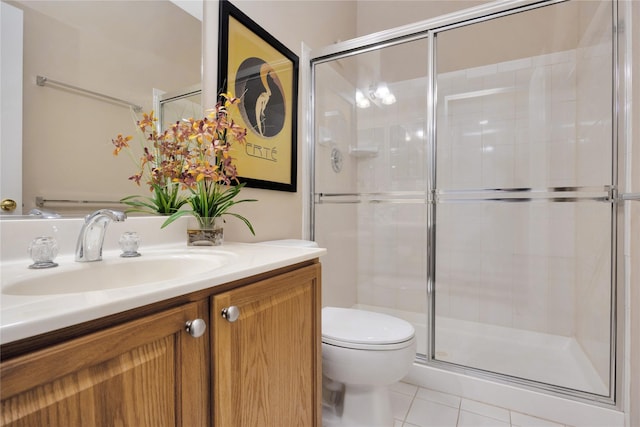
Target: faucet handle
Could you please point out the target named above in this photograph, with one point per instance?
(129, 242)
(42, 251)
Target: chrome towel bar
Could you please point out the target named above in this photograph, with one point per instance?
(41, 81)
(41, 201)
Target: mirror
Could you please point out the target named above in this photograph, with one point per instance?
(130, 51)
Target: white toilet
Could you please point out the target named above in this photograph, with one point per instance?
(363, 353)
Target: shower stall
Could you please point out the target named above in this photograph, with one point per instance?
(466, 179)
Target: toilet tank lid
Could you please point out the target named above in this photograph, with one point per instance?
(364, 327)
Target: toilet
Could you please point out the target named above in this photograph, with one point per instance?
(363, 353)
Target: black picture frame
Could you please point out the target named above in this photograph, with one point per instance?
(263, 73)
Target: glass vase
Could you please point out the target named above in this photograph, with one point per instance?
(205, 231)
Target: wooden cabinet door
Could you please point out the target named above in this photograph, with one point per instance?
(267, 363)
(149, 372)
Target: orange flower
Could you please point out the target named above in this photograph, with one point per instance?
(120, 142)
(136, 178)
(148, 120)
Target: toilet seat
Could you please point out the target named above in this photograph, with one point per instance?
(364, 330)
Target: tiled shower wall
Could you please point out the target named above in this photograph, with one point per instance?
(392, 236)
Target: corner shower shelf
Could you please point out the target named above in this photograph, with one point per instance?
(363, 151)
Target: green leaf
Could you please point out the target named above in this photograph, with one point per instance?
(175, 216)
(245, 220)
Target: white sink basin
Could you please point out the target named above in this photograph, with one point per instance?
(115, 273)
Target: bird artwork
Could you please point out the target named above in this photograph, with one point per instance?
(263, 103)
(263, 98)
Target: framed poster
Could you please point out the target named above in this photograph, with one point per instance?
(263, 73)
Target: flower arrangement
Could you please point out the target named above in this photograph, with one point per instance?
(160, 166)
(191, 157)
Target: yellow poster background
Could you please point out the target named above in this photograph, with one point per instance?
(261, 158)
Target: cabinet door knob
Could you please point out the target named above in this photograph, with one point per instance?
(196, 327)
(231, 313)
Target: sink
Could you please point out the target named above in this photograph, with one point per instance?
(113, 273)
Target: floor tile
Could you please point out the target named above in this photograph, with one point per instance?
(438, 397)
(485, 410)
(404, 388)
(424, 413)
(469, 419)
(400, 404)
(522, 420)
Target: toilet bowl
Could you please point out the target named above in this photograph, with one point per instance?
(363, 353)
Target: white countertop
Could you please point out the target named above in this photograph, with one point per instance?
(23, 316)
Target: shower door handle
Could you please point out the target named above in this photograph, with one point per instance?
(630, 196)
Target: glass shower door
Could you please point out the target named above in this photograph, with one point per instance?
(523, 217)
(370, 187)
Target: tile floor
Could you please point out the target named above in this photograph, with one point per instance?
(419, 407)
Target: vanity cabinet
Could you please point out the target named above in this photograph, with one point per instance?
(262, 368)
(267, 352)
(142, 373)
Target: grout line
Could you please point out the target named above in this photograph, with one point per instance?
(413, 399)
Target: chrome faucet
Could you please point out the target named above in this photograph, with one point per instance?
(91, 238)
